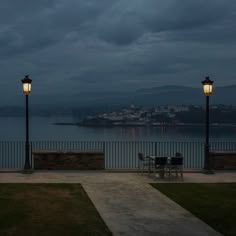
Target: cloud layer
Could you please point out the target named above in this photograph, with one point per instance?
(70, 47)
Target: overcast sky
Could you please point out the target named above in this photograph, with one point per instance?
(73, 46)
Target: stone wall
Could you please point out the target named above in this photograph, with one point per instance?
(68, 160)
(222, 160)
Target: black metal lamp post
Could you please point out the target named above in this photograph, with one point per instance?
(207, 85)
(26, 83)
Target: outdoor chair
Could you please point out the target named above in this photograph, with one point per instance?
(178, 154)
(145, 163)
(160, 165)
(176, 164)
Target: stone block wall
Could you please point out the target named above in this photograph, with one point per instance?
(222, 160)
(68, 160)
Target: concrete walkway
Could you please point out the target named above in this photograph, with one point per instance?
(128, 204)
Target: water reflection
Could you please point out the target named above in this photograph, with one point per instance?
(43, 129)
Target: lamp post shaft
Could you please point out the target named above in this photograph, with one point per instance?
(27, 148)
(206, 159)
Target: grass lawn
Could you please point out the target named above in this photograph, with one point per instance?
(213, 203)
(48, 209)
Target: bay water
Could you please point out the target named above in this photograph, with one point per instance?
(44, 129)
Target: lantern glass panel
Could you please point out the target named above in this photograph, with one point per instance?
(207, 89)
(26, 88)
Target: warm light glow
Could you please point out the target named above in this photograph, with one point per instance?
(207, 89)
(26, 88)
(207, 86)
(26, 84)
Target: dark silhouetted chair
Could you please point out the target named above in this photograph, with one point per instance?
(160, 165)
(178, 154)
(145, 163)
(176, 164)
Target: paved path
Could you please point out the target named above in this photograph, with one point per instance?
(128, 204)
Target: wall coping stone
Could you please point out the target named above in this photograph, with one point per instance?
(220, 153)
(67, 152)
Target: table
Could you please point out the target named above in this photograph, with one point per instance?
(163, 166)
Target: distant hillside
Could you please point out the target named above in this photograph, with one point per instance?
(160, 96)
(85, 102)
(167, 88)
(184, 95)
(168, 95)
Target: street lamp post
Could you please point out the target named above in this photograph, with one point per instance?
(207, 85)
(26, 83)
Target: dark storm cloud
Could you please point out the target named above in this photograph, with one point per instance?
(73, 46)
(140, 17)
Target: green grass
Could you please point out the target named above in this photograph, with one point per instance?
(48, 209)
(213, 203)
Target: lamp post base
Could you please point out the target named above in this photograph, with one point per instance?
(27, 171)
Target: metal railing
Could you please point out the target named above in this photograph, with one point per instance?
(118, 154)
(12, 154)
